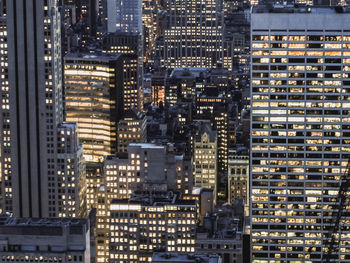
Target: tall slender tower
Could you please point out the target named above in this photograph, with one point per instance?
(31, 87)
(300, 130)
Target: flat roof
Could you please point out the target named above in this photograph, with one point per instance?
(89, 56)
(6, 220)
(147, 145)
(175, 257)
(299, 9)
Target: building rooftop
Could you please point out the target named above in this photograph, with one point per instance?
(146, 145)
(154, 199)
(220, 225)
(189, 72)
(40, 226)
(299, 9)
(206, 128)
(120, 33)
(133, 114)
(188, 258)
(6, 220)
(88, 56)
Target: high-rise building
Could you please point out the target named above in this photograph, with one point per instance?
(5, 139)
(130, 129)
(221, 234)
(238, 177)
(124, 16)
(44, 240)
(129, 44)
(87, 12)
(187, 84)
(70, 181)
(31, 112)
(93, 99)
(68, 12)
(193, 36)
(101, 231)
(148, 167)
(145, 224)
(300, 130)
(183, 84)
(158, 87)
(94, 178)
(205, 158)
(152, 26)
(220, 121)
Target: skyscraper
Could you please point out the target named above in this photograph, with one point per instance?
(205, 158)
(193, 36)
(300, 130)
(93, 99)
(129, 44)
(124, 16)
(31, 88)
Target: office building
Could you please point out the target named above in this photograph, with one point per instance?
(205, 158)
(153, 27)
(205, 201)
(70, 181)
(182, 84)
(238, 177)
(129, 44)
(31, 113)
(87, 12)
(44, 240)
(148, 167)
(236, 42)
(162, 257)
(5, 139)
(300, 130)
(189, 83)
(101, 231)
(221, 235)
(144, 224)
(221, 125)
(124, 16)
(193, 36)
(68, 12)
(94, 178)
(93, 99)
(131, 129)
(158, 87)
